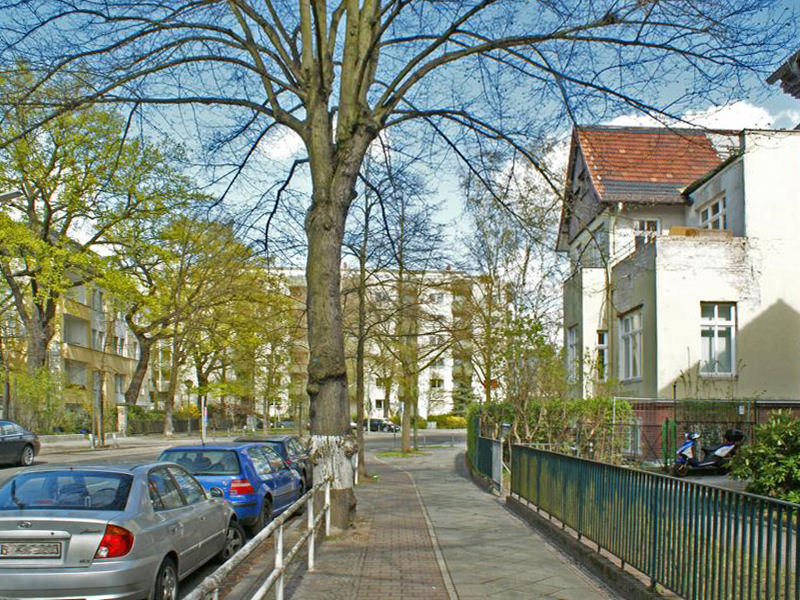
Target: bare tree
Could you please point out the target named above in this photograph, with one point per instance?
(338, 74)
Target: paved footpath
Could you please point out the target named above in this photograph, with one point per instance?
(425, 531)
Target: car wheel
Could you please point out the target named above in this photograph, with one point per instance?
(264, 517)
(301, 490)
(166, 581)
(27, 456)
(234, 540)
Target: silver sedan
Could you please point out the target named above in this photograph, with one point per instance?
(109, 532)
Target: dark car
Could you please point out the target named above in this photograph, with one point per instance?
(252, 476)
(293, 452)
(17, 444)
(380, 425)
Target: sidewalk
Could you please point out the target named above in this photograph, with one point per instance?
(53, 444)
(425, 531)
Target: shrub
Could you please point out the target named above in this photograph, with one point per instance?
(449, 421)
(772, 461)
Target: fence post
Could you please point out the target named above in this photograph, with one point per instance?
(279, 563)
(313, 538)
(655, 517)
(327, 508)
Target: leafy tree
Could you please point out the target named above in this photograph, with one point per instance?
(77, 178)
(771, 462)
(173, 269)
(338, 74)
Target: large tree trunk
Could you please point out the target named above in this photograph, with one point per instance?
(40, 331)
(132, 393)
(332, 441)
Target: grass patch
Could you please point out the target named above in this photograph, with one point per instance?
(401, 454)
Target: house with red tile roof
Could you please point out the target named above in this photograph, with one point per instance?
(684, 263)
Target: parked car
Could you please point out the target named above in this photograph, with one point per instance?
(109, 531)
(252, 476)
(380, 425)
(17, 444)
(293, 452)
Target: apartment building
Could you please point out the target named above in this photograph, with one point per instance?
(683, 251)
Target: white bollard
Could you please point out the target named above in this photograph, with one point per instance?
(313, 538)
(327, 508)
(279, 563)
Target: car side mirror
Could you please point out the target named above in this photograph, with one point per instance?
(216, 493)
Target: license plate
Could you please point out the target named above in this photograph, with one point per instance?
(30, 550)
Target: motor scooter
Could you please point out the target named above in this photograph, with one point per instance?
(715, 458)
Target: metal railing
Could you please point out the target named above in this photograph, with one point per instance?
(210, 586)
(483, 455)
(699, 541)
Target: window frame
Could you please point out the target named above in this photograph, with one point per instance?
(710, 220)
(634, 334)
(645, 236)
(717, 324)
(601, 349)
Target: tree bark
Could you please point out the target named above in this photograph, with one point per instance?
(132, 393)
(40, 332)
(332, 441)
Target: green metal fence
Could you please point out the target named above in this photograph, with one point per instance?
(701, 542)
(483, 456)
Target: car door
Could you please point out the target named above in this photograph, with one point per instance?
(208, 528)
(176, 522)
(285, 481)
(299, 454)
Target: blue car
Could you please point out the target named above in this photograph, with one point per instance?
(256, 481)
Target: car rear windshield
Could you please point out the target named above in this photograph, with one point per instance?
(67, 490)
(204, 462)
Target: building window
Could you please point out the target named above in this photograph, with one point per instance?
(383, 382)
(714, 214)
(118, 344)
(438, 363)
(717, 338)
(379, 404)
(630, 343)
(98, 339)
(76, 373)
(572, 352)
(602, 355)
(119, 388)
(98, 303)
(437, 384)
(645, 230)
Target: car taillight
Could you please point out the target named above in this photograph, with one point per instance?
(241, 487)
(288, 462)
(116, 542)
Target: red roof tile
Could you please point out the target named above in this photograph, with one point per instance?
(645, 164)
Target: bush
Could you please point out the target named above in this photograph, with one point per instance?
(772, 461)
(449, 421)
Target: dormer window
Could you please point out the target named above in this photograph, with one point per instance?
(714, 214)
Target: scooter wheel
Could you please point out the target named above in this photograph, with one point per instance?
(680, 469)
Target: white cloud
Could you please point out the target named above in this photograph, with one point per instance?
(737, 115)
(281, 145)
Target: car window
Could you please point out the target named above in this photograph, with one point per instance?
(164, 493)
(17, 429)
(6, 429)
(204, 462)
(260, 460)
(192, 491)
(73, 490)
(275, 461)
(298, 447)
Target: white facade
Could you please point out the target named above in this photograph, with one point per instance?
(714, 289)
